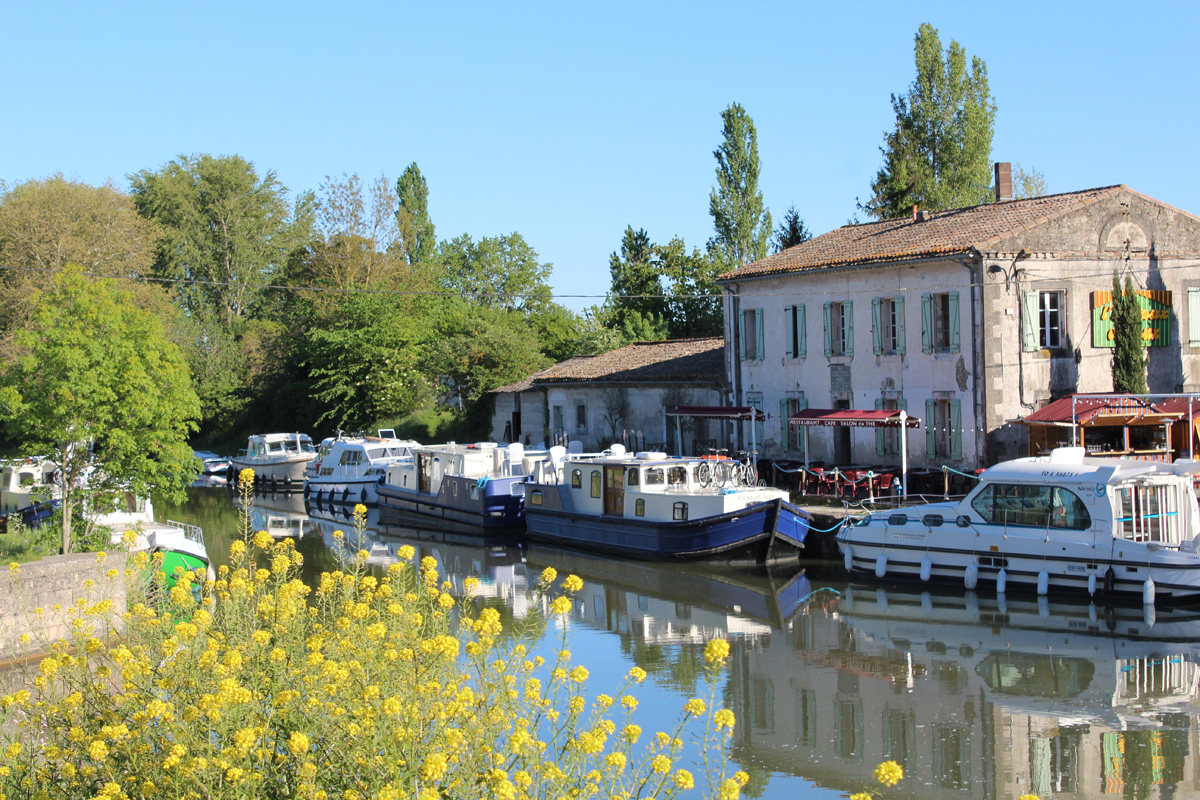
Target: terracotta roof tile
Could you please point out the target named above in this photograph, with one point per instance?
(957, 230)
(676, 360)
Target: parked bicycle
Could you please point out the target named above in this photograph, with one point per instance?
(722, 470)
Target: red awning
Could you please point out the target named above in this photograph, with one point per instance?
(850, 418)
(716, 412)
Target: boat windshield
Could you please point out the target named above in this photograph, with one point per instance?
(1035, 506)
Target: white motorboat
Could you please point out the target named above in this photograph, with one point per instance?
(276, 458)
(25, 481)
(354, 466)
(1058, 524)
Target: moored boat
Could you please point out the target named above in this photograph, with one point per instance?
(1058, 524)
(354, 466)
(276, 458)
(471, 487)
(651, 506)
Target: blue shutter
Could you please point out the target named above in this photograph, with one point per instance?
(789, 330)
(848, 321)
(930, 433)
(741, 335)
(927, 323)
(900, 348)
(956, 437)
(758, 334)
(1029, 321)
(878, 430)
(828, 330)
(876, 327)
(802, 336)
(784, 426)
(954, 345)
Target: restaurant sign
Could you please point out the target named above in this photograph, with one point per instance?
(1156, 318)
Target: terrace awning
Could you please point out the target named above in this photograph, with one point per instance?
(850, 418)
(736, 413)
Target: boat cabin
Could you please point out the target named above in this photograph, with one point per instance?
(21, 479)
(267, 445)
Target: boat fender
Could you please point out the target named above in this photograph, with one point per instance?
(1110, 581)
(1044, 607)
(1002, 603)
(1043, 582)
(971, 604)
(362, 497)
(1149, 615)
(1092, 618)
(926, 569)
(926, 602)
(1148, 592)
(1110, 618)
(1092, 584)
(971, 577)
(881, 565)
(848, 558)
(307, 489)
(881, 599)
(1002, 581)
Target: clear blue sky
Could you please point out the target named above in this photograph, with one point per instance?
(567, 121)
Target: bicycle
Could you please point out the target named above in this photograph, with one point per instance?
(719, 468)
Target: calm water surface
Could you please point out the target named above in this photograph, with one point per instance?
(974, 696)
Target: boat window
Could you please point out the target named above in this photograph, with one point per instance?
(1036, 506)
(932, 520)
(535, 497)
(677, 476)
(898, 519)
(633, 476)
(1148, 513)
(595, 483)
(26, 479)
(351, 457)
(474, 491)
(377, 453)
(639, 508)
(962, 521)
(679, 511)
(454, 489)
(654, 476)
(576, 479)
(1036, 674)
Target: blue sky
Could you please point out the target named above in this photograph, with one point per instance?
(567, 121)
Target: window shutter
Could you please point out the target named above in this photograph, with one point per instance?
(789, 331)
(802, 333)
(899, 301)
(1194, 316)
(956, 444)
(927, 323)
(758, 334)
(954, 344)
(930, 433)
(848, 316)
(876, 328)
(741, 335)
(878, 430)
(784, 426)
(1029, 321)
(828, 330)
(802, 434)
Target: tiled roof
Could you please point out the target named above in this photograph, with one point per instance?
(955, 231)
(676, 360)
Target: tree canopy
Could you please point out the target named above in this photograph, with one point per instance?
(791, 232)
(939, 154)
(742, 222)
(98, 384)
(496, 272)
(412, 216)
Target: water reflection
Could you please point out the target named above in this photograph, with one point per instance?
(974, 696)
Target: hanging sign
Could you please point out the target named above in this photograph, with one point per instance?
(1156, 318)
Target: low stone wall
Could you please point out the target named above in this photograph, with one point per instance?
(54, 585)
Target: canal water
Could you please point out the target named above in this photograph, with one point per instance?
(975, 696)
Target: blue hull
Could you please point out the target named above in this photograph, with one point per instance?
(766, 533)
(462, 503)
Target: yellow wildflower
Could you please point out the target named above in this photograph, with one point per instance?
(683, 779)
(716, 651)
(723, 719)
(695, 707)
(298, 743)
(889, 773)
(573, 583)
(637, 674)
(661, 764)
(548, 575)
(560, 606)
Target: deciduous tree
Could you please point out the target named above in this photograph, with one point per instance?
(496, 272)
(742, 222)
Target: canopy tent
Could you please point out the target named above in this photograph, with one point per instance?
(1127, 426)
(859, 418)
(730, 413)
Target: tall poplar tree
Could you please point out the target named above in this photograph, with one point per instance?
(1129, 356)
(939, 155)
(412, 216)
(742, 222)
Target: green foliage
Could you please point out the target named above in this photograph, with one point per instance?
(412, 216)
(939, 154)
(695, 306)
(1129, 355)
(791, 232)
(636, 278)
(595, 336)
(496, 272)
(1028, 183)
(742, 223)
(98, 384)
(558, 329)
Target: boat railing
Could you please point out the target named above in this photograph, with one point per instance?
(194, 533)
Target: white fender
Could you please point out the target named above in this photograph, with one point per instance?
(1043, 582)
(1149, 615)
(926, 568)
(971, 576)
(1092, 584)
(1001, 581)
(926, 602)
(881, 565)
(848, 558)
(971, 604)
(1148, 592)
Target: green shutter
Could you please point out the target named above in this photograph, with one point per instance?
(758, 331)
(784, 426)
(954, 345)
(956, 451)
(802, 434)
(828, 330)
(848, 317)
(878, 429)
(741, 335)
(930, 433)
(1029, 321)
(789, 329)
(802, 333)
(927, 323)
(1194, 316)
(899, 301)
(876, 327)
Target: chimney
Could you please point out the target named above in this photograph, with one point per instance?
(1003, 181)
(914, 212)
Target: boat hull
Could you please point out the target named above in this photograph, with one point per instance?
(272, 470)
(466, 504)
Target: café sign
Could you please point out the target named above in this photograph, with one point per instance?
(1156, 318)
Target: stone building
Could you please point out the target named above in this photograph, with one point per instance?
(597, 399)
(966, 318)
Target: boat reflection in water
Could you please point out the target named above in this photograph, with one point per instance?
(280, 514)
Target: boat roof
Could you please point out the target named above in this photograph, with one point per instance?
(280, 437)
(1072, 465)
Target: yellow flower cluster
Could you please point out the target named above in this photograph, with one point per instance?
(377, 686)
(889, 773)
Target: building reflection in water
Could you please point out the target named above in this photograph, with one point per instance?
(973, 696)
